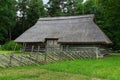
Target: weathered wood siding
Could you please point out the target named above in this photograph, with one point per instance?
(52, 45)
(37, 47)
(99, 50)
(77, 47)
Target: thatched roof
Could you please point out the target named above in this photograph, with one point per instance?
(73, 29)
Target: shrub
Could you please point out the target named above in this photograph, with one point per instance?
(11, 46)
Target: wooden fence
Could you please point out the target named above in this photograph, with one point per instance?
(53, 55)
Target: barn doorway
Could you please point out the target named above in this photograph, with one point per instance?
(52, 45)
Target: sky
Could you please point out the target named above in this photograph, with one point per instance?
(45, 1)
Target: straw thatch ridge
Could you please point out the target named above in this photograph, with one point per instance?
(73, 29)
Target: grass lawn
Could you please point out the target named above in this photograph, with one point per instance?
(40, 74)
(88, 69)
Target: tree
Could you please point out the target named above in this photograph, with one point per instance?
(20, 27)
(30, 12)
(71, 7)
(34, 12)
(62, 7)
(80, 8)
(22, 8)
(7, 18)
(89, 7)
(111, 20)
(53, 7)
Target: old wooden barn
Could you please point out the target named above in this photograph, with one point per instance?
(73, 33)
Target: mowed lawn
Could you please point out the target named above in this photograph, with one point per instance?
(84, 69)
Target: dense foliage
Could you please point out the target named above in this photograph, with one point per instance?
(12, 24)
(11, 45)
(7, 19)
(53, 8)
(29, 13)
(111, 20)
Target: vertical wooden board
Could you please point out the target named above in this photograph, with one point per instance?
(52, 45)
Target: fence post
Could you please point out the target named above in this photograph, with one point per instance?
(45, 59)
(10, 62)
(60, 53)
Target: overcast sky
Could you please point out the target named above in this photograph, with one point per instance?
(45, 1)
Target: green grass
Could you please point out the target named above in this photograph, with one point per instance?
(85, 69)
(5, 52)
(39, 74)
(9, 52)
(106, 68)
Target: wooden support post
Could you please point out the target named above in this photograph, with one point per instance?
(67, 48)
(32, 50)
(24, 47)
(38, 52)
(38, 49)
(97, 53)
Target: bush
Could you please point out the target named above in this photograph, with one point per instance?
(11, 46)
